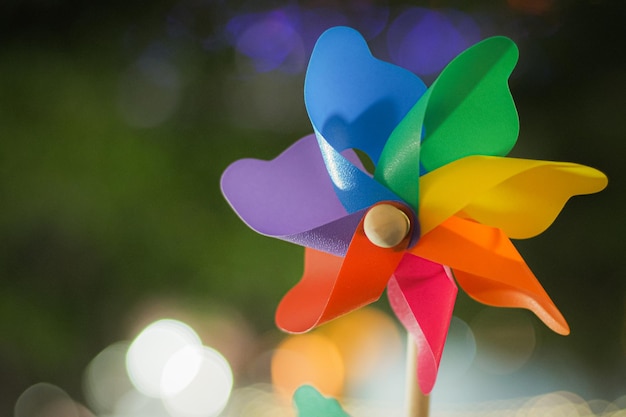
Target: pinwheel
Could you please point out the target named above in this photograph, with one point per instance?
(439, 206)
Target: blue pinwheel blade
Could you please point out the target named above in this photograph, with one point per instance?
(353, 99)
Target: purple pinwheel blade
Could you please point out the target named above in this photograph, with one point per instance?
(353, 99)
(291, 197)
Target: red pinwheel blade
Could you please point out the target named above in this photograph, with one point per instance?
(489, 268)
(332, 286)
(422, 294)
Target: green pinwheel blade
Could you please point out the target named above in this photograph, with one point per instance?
(398, 167)
(310, 403)
(468, 110)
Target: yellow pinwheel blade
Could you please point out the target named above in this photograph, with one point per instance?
(520, 196)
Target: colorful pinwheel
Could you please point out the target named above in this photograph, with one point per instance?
(442, 200)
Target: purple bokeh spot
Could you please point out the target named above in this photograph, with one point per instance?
(271, 41)
(369, 18)
(313, 22)
(467, 26)
(283, 38)
(425, 41)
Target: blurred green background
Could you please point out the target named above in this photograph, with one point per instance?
(117, 119)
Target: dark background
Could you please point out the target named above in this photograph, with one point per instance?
(109, 193)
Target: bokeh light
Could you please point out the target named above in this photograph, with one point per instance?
(136, 404)
(150, 90)
(460, 350)
(358, 356)
(257, 400)
(308, 359)
(552, 404)
(218, 325)
(367, 340)
(149, 353)
(505, 339)
(425, 40)
(197, 382)
(167, 361)
(372, 350)
(269, 40)
(181, 368)
(282, 38)
(370, 17)
(105, 379)
(47, 400)
(230, 334)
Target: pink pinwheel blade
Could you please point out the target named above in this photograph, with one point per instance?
(422, 294)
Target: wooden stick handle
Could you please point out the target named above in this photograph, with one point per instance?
(417, 403)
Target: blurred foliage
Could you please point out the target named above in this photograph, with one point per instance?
(97, 215)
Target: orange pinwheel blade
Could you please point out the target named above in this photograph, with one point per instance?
(332, 286)
(489, 268)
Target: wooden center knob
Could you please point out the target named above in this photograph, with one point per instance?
(386, 226)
